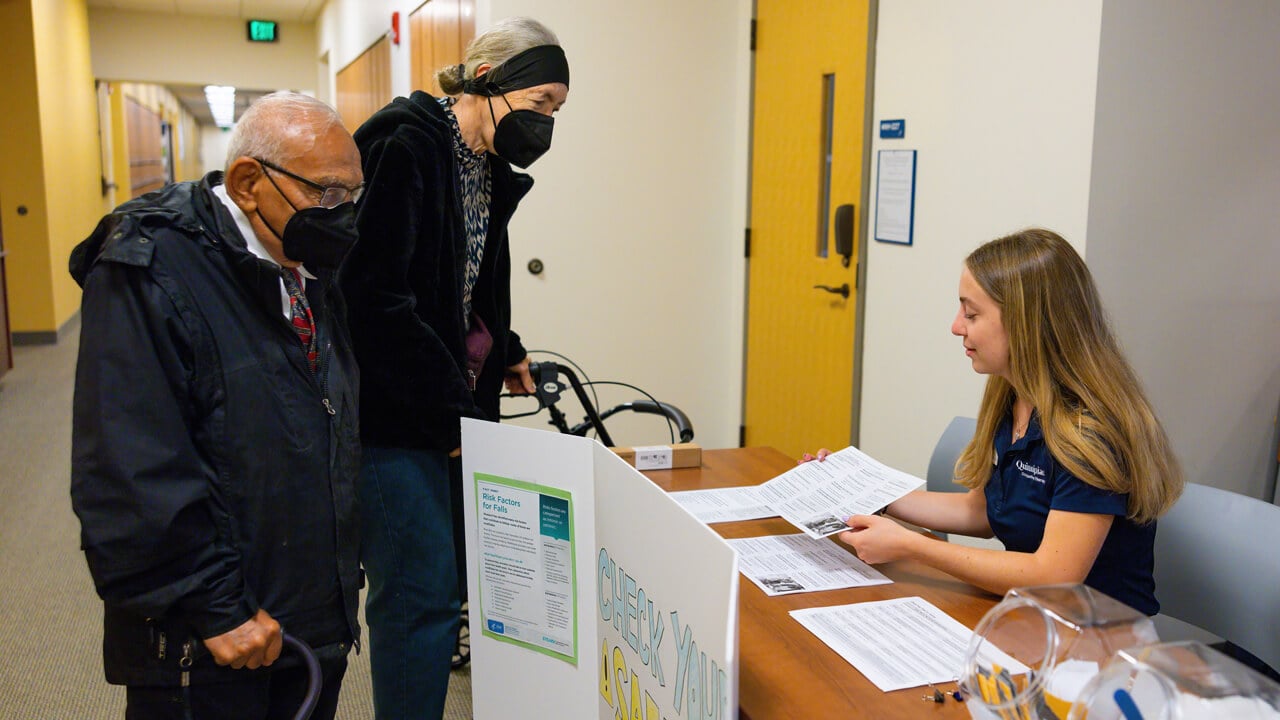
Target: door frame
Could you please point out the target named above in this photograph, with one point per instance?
(6, 337)
(860, 310)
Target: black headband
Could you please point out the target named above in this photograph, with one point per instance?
(536, 66)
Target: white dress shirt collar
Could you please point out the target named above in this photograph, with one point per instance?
(255, 245)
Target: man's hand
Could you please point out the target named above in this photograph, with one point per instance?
(518, 380)
(254, 644)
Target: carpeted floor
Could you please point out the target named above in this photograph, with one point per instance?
(51, 631)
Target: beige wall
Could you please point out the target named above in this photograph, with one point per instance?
(346, 28)
(998, 97)
(638, 209)
(1183, 236)
(51, 156)
(1148, 127)
(213, 143)
(176, 49)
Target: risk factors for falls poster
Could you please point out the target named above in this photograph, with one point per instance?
(528, 583)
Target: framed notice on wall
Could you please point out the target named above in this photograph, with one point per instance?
(895, 196)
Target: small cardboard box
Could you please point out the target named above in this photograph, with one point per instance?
(662, 457)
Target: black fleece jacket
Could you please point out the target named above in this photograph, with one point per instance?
(403, 281)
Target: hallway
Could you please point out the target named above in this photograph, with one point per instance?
(52, 619)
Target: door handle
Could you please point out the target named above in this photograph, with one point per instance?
(842, 291)
(844, 233)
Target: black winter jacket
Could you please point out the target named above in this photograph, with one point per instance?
(213, 473)
(403, 281)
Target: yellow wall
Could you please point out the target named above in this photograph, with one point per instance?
(187, 147)
(69, 121)
(49, 155)
(27, 267)
(119, 146)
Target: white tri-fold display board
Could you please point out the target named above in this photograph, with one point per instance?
(592, 593)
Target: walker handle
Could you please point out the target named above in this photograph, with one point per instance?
(314, 678)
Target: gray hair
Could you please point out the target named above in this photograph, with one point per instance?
(270, 127)
(506, 39)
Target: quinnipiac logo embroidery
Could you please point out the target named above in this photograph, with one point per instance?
(1030, 472)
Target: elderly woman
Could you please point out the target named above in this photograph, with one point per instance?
(429, 296)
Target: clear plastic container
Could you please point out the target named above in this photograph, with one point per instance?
(1177, 681)
(1034, 652)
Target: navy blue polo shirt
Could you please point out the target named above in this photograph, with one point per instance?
(1027, 483)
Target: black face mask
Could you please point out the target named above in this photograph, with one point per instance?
(523, 135)
(320, 238)
(317, 237)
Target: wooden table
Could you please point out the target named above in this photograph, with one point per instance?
(785, 671)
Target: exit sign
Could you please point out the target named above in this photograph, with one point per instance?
(262, 31)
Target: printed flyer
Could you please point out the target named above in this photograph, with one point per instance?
(528, 580)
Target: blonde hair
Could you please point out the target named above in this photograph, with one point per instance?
(506, 39)
(1064, 359)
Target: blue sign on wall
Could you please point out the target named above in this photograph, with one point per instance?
(893, 129)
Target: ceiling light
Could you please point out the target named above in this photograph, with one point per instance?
(222, 104)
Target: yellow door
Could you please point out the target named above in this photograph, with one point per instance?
(810, 82)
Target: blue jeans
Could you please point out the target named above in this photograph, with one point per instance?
(409, 556)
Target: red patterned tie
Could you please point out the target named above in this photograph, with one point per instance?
(304, 323)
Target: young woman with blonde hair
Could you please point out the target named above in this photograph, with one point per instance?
(1069, 466)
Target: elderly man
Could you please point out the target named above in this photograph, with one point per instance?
(215, 444)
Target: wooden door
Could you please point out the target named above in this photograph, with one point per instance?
(807, 158)
(439, 32)
(147, 169)
(364, 85)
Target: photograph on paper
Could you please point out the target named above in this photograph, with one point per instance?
(818, 497)
(787, 564)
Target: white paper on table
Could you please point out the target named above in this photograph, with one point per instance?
(817, 497)
(899, 643)
(786, 564)
(725, 504)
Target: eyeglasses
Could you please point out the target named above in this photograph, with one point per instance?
(330, 197)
